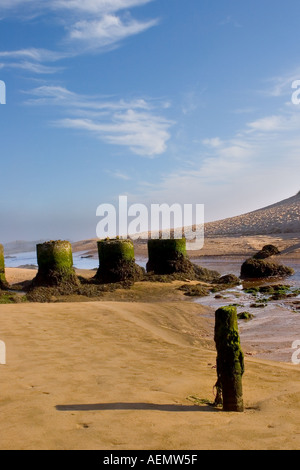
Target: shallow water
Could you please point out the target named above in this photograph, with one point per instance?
(226, 265)
(30, 258)
(79, 259)
(274, 329)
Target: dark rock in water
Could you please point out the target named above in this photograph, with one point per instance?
(229, 279)
(266, 252)
(260, 268)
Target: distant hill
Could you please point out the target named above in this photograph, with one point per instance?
(282, 217)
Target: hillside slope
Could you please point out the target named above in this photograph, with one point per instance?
(282, 217)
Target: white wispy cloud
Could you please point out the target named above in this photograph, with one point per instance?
(256, 164)
(96, 6)
(81, 6)
(136, 124)
(214, 142)
(87, 26)
(34, 54)
(106, 31)
(31, 67)
(119, 175)
(281, 85)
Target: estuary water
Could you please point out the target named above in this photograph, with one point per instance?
(275, 327)
(80, 260)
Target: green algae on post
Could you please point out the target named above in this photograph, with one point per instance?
(3, 282)
(117, 262)
(230, 360)
(167, 256)
(55, 261)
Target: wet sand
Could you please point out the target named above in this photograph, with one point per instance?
(120, 375)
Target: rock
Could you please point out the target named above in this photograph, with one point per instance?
(229, 279)
(195, 291)
(260, 268)
(245, 316)
(266, 252)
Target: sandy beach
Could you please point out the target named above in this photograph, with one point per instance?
(120, 375)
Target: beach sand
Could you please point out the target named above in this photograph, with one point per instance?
(118, 375)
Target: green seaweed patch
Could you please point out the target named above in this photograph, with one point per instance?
(195, 291)
(10, 298)
(273, 292)
(245, 316)
(86, 290)
(191, 272)
(262, 300)
(252, 290)
(229, 280)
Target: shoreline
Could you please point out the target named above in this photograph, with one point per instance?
(267, 336)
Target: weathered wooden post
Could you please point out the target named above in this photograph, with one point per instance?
(230, 360)
(167, 256)
(117, 262)
(55, 261)
(3, 282)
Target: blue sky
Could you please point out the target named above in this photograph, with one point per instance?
(166, 101)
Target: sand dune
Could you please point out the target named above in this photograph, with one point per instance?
(113, 375)
(278, 224)
(282, 217)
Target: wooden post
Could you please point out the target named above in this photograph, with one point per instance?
(3, 282)
(117, 262)
(167, 256)
(55, 260)
(230, 360)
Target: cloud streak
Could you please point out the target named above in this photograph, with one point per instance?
(262, 157)
(89, 26)
(135, 124)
